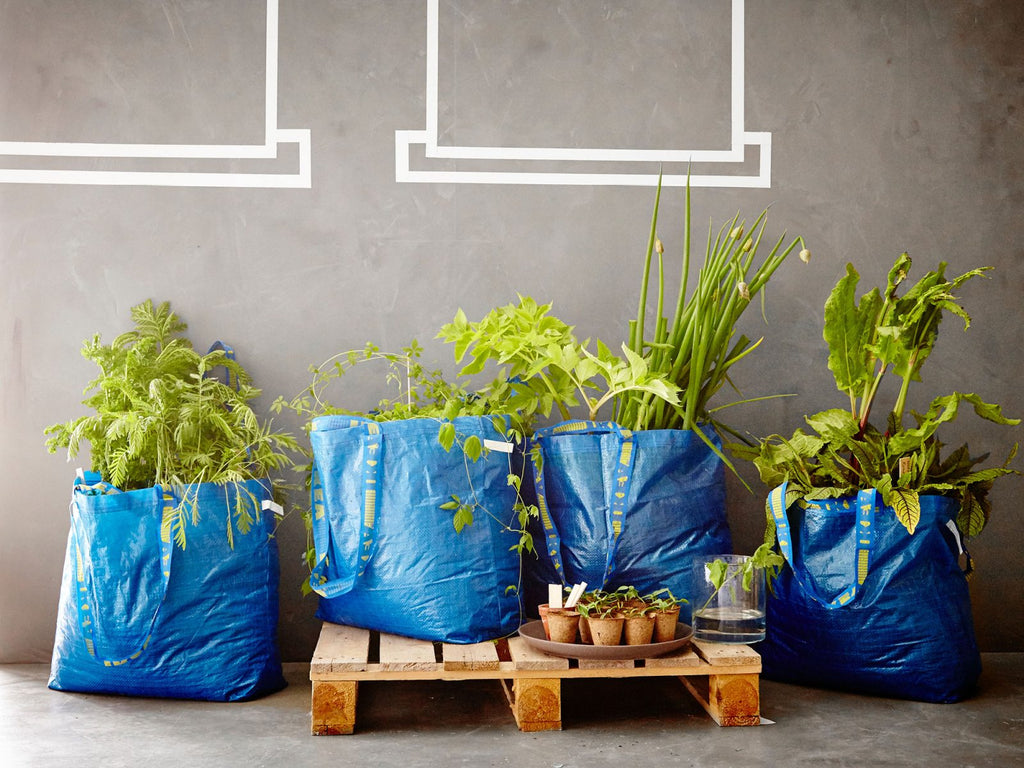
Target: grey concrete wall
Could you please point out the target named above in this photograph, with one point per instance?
(895, 125)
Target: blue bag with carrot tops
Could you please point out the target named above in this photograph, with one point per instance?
(139, 615)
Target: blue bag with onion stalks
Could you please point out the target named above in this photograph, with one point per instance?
(624, 508)
(864, 605)
(139, 615)
(388, 556)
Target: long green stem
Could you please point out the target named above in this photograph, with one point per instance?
(637, 342)
(901, 400)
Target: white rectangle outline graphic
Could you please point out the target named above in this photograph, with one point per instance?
(741, 139)
(274, 137)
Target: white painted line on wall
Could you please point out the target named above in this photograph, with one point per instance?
(274, 138)
(741, 139)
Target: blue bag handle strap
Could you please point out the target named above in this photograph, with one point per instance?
(84, 594)
(622, 481)
(230, 379)
(358, 559)
(867, 501)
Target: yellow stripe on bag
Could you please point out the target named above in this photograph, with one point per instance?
(318, 502)
(627, 452)
(862, 565)
(370, 510)
(165, 523)
(545, 516)
(571, 426)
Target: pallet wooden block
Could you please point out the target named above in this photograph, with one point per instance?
(723, 678)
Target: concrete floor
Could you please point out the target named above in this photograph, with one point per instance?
(631, 723)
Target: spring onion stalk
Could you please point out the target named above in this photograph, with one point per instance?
(696, 350)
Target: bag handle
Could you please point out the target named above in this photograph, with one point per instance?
(621, 484)
(230, 379)
(85, 597)
(867, 501)
(359, 558)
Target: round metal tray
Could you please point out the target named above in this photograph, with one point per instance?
(533, 633)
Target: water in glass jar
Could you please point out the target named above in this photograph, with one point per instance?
(729, 625)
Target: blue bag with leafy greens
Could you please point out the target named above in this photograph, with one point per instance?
(864, 605)
(141, 615)
(622, 508)
(388, 555)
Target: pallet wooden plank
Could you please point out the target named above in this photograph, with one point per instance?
(401, 654)
(607, 664)
(685, 657)
(724, 654)
(340, 649)
(472, 656)
(525, 656)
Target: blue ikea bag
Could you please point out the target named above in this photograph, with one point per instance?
(388, 556)
(625, 508)
(139, 615)
(863, 605)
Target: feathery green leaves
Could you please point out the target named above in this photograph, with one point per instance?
(160, 417)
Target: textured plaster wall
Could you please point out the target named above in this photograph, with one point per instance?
(895, 125)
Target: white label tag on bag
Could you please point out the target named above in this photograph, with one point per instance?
(956, 535)
(498, 445)
(276, 508)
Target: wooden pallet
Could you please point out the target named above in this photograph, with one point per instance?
(724, 679)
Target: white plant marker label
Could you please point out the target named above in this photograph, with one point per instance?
(554, 596)
(575, 594)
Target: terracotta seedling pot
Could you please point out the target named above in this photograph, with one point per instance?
(563, 625)
(665, 625)
(607, 630)
(542, 610)
(585, 636)
(639, 629)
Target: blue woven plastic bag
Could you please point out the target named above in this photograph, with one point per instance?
(865, 606)
(138, 615)
(388, 556)
(625, 508)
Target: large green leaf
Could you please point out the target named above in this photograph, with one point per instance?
(834, 425)
(945, 409)
(907, 506)
(973, 514)
(847, 331)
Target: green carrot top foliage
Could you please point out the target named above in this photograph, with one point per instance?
(160, 415)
